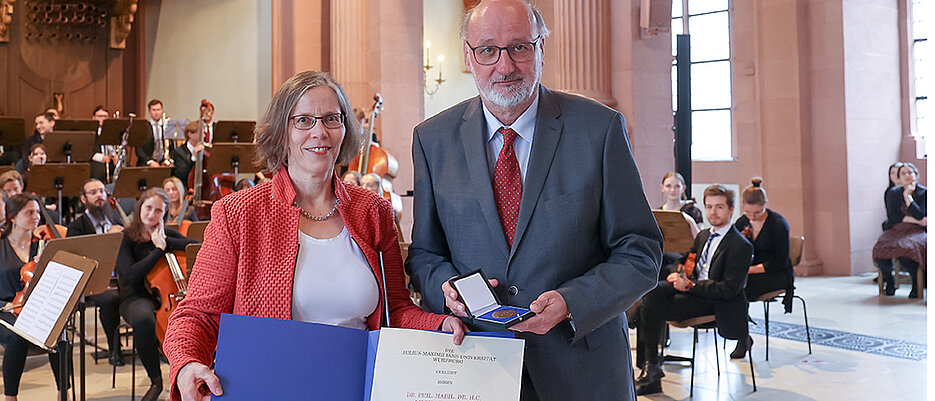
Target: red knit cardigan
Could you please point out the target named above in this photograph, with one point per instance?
(247, 262)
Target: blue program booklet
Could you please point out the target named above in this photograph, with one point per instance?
(274, 359)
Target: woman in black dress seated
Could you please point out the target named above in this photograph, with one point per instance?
(771, 268)
(145, 242)
(905, 237)
(17, 248)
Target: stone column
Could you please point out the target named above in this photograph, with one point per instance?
(582, 43)
(350, 46)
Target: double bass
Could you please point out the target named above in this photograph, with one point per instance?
(374, 159)
(207, 188)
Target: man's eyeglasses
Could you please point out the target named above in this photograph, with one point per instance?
(331, 120)
(519, 52)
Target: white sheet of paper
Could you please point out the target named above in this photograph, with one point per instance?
(48, 300)
(414, 365)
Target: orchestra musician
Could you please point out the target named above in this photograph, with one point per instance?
(145, 243)
(11, 182)
(275, 250)
(176, 191)
(183, 157)
(153, 151)
(102, 161)
(100, 218)
(16, 249)
(45, 123)
(207, 119)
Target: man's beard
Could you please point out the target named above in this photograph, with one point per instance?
(98, 212)
(517, 94)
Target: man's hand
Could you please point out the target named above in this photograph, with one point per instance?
(451, 298)
(152, 163)
(197, 382)
(673, 276)
(457, 327)
(682, 284)
(550, 309)
(115, 229)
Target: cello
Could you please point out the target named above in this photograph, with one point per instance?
(374, 159)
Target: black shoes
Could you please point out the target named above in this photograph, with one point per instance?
(650, 379)
(116, 358)
(743, 346)
(153, 393)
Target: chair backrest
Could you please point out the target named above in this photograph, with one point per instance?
(795, 249)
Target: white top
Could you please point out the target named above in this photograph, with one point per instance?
(333, 282)
(525, 127)
(712, 243)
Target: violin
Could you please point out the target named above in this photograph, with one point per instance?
(41, 234)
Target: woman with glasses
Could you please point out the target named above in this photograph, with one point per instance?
(303, 247)
(771, 268)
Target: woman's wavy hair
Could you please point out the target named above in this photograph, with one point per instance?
(135, 229)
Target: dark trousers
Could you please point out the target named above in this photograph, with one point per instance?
(109, 302)
(15, 350)
(886, 270)
(138, 311)
(761, 283)
(665, 303)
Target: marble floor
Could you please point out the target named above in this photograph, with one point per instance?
(892, 327)
(864, 347)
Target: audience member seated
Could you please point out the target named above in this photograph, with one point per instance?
(771, 268)
(351, 178)
(714, 286)
(176, 191)
(371, 182)
(905, 237)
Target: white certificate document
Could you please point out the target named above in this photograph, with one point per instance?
(416, 365)
(48, 300)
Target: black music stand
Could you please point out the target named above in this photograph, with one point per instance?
(135, 180)
(65, 146)
(232, 158)
(233, 131)
(58, 179)
(100, 247)
(12, 133)
(112, 131)
(76, 125)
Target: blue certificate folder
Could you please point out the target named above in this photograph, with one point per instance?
(273, 359)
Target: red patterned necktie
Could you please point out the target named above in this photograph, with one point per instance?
(507, 185)
(207, 135)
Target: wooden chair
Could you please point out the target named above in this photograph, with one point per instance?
(796, 243)
(704, 323)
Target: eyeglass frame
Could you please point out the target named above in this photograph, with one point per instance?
(315, 120)
(501, 49)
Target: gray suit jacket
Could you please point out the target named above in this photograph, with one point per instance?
(584, 230)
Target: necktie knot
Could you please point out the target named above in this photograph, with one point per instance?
(508, 136)
(713, 236)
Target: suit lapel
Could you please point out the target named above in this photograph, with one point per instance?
(475, 152)
(545, 142)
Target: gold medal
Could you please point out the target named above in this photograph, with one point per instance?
(502, 314)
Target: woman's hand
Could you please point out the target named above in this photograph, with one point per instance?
(192, 380)
(456, 326)
(159, 236)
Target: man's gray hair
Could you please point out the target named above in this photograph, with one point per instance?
(541, 29)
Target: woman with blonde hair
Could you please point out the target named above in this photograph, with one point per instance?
(176, 191)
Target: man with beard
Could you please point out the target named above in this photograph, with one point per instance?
(538, 189)
(100, 218)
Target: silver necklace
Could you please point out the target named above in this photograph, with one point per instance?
(318, 218)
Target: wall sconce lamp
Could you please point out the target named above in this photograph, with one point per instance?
(427, 66)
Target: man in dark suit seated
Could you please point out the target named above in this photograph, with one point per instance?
(99, 218)
(715, 286)
(184, 156)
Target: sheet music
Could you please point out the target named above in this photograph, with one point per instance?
(48, 299)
